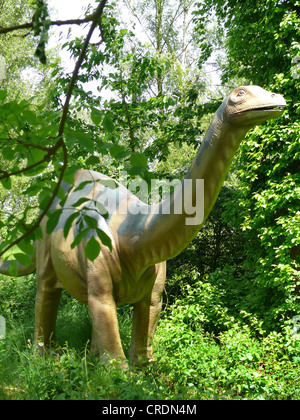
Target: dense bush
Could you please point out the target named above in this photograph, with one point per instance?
(265, 202)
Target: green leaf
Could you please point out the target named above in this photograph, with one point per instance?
(108, 124)
(84, 139)
(137, 170)
(103, 147)
(3, 93)
(91, 222)
(6, 182)
(69, 223)
(138, 159)
(8, 153)
(33, 190)
(53, 221)
(81, 201)
(104, 238)
(92, 160)
(26, 247)
(92, 249)
(82, 185)
(13, 268)
(69, 174)
(119, 152)
(37, 170)
(63, 194)
(101, 209)
(96, 116)
(79, 237)
(23, 259)
(44, 199)
(35, 156)
(110, 183)
(38, 234)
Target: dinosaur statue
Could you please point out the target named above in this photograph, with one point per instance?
(134, 271)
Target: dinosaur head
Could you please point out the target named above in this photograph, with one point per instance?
(248, 106)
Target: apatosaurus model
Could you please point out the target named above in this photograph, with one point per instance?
(134, 271)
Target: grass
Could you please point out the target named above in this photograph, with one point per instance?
(191, 362)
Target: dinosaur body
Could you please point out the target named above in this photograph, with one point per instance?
(134, 271)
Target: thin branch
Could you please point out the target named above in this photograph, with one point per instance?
(33, 146)
(95, 20)
(29, 25)
(25, 144)
(54, 194)
(46, 158)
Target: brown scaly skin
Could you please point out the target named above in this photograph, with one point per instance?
(135, 271)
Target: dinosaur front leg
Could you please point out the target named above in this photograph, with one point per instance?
(145, 320)
(106, 340)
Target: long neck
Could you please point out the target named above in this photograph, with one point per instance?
(174, 222)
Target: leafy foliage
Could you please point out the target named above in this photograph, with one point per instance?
(267, 197)
(40, 28)
(257, 47)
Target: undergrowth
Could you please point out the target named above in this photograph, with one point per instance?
(201, 351)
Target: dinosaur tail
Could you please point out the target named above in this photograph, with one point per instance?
(23, 270)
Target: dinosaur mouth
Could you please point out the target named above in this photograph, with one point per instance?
(257, 115)
(266, 108)
(271, 108)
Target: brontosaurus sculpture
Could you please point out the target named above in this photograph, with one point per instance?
(134, 271)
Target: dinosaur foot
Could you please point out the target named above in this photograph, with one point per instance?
(120, 362)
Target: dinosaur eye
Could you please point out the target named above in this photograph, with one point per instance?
(241, 92)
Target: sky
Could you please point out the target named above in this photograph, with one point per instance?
(69, 9)
(74, 9)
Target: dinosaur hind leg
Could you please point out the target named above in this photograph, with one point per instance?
(106, 341)
(145, 318)
(47, 297)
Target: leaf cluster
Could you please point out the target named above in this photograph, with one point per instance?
(256, 47)
(41, 25)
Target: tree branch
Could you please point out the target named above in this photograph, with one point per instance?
(49, 204)
(95, 20)
(51, 152)
(29, 25)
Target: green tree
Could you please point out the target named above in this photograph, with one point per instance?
(167, 27)
(262, 49)
(17, 52)
(261, 37)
